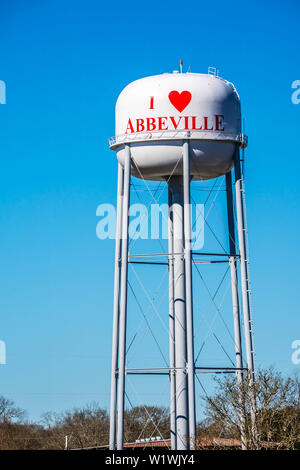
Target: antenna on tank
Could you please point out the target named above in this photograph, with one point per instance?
(180, 65)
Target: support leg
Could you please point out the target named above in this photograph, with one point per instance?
(115, 338)
(245, 286)
(123, 299)
(235, 301)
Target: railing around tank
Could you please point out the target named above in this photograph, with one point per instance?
(121, 139)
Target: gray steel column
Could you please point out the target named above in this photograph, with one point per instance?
(235, 299)
(248, 331)
(171, 328)
(243, 262)
(115, 337)
(189, 295)
(233, 272)
(123, 299)
(182, 428)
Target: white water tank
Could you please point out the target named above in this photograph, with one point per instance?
(156, 114)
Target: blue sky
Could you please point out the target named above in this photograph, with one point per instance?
(64, 64)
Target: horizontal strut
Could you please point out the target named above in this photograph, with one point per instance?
(166, 370)
(166, 264)
(196, 253)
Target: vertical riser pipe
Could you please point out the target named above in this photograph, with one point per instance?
(180, 316)
(171, 328)
(189, 295)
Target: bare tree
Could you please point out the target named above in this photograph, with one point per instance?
(85, 427)
(9, 412)
(277, 409)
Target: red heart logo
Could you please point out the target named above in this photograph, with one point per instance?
(180, 100)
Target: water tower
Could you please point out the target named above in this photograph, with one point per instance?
(179, 127)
